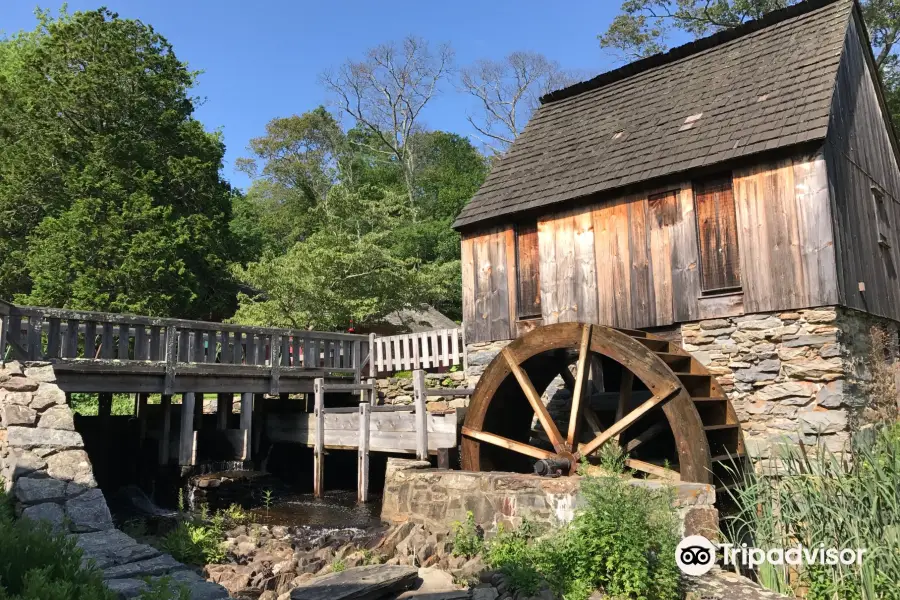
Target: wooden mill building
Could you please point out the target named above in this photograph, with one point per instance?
(738, 194)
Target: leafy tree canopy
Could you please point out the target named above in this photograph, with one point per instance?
(340, 240)
(110, 194)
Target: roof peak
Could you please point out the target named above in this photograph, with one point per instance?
(695, 47)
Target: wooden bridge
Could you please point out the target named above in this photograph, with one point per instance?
(106, 353)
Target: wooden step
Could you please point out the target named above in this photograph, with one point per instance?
(736, 456)
(676, 362)
(696, 384)
(654, 344)
(635, 333)
(722, 427)
(709, 399)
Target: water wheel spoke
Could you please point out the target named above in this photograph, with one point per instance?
(535, 400)
(593, 421)
(626, 421)
(651, 469)
(646, 435)
(625, 389)
(581, 371)
(499, 440)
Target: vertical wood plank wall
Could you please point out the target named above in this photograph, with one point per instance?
(488, 270)
(633, 262)
(859, 154)
(785, 232)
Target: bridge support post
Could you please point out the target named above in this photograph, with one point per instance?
(319, 450)
(246, 422)
(166, 404)
(420, 397)
(198, 412)
(362, 469)
(142, 418)
(224, 406)
(187, 438)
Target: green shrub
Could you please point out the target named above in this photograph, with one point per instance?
(37, 564)
(468, 539)
(195, 544)
(841, 501)
(163, 588)
(622, 542)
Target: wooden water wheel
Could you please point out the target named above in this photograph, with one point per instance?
(665, 410)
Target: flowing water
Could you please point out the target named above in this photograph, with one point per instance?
(338, 509)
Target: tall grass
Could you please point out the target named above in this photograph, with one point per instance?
(851, 500)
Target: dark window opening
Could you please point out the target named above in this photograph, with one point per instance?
(720, 263)
(882, 217)
(528, 272)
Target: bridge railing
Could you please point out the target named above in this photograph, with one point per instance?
(37, 333)
(416, 351)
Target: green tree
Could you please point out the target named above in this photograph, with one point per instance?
(644, 26)
(110, 193)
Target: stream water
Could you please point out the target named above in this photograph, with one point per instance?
(338, 509)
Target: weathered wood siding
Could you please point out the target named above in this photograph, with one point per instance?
(567, 270)
(634, 261)
(488, 271)
(785, 234)
(860, 153)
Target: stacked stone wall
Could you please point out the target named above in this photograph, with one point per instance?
(435, 499)
(791, 376)
(48, 474)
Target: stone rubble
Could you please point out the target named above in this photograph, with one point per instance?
(46, 470)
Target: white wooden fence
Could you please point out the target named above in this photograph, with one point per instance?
(414, 351)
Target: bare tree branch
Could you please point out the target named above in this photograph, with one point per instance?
(386, 93)
(508, 91)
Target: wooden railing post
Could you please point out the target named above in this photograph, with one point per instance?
(362, 470)
(319, 451)
(274, 363)
(373, 367)
(171, 359)
(357, 361)
(419, 397)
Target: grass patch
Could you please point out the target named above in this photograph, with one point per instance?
(849, 500)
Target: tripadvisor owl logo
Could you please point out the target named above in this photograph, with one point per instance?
(695, 555)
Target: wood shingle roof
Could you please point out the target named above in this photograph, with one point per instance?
(762, 86)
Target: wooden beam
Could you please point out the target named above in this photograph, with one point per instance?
(626, 386)
(224, 406)
(535, 400)
(646, 435)
(419, 398)
(166, 404)
(627, 420)
(319, 451)
(186, 438)
(362, 470)
(142, 418)
(661, 472)
(247, 421)
(498, 440)
(584, 353)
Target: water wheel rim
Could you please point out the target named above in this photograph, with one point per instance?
(680, 413)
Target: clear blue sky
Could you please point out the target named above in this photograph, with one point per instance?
(261, 58)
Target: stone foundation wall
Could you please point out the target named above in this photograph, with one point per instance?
(48, 473)
(399, 390)
(436, 499)
(791, 376)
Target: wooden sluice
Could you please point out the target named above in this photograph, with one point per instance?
(105, 353)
